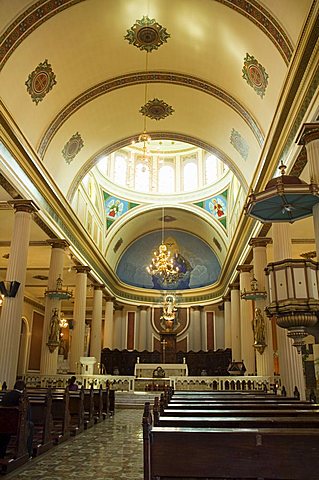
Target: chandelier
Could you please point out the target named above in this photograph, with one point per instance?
(63, 321)
(162, 264)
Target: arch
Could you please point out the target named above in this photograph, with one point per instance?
(23, 347)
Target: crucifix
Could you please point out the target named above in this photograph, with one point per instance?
(163, 343)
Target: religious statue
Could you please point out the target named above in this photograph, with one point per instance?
(258, 325)
(54, 331)
(168, 316)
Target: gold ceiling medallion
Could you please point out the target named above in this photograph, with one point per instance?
(40, 82)
(147, 34)
(156, 109)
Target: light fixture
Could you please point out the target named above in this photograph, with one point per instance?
(162, 264)
(144, 137)
(63, 321)
(254, 293)
(59, 292)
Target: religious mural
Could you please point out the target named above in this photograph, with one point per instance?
(115, 207)
(197, 263)
(217, 207)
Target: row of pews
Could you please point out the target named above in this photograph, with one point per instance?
(230, 435)
(56, 415)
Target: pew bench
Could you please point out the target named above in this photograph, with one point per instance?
(41, 416)
(14, 434)
(172, 452)
(76, 410)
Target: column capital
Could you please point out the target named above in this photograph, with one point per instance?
(245, 267)
(308, 133)
(108, 298)
(197, 308)
(82, 269)
(260, 241)
(23, 206)
(58, 243)
(234, 286)
(98, 286)
(226, 298)
(143, 307)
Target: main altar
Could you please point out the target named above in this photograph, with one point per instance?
(147, 370)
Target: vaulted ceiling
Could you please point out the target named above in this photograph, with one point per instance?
(241, 78)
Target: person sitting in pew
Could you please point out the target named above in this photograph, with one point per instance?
(72, 386)
(11, 399)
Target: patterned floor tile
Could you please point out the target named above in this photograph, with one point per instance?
(111, 450)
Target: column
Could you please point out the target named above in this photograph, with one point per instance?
(309, 136)
(246, 318)
(142, 331)
(265, 360)
(227, 320)
(108, 324)
(235, 322)
(290, 362)
(77, 346)
(49, 360)
(196, 328)
(11, 315)
(96, 326)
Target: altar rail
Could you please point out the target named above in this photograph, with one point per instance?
(130, 383)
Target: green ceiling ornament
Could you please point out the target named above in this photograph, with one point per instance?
(147, 34)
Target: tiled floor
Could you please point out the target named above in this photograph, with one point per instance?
(111, 450)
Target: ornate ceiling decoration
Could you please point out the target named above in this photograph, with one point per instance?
(147, 34)
(156, 109)
(255, 75)
(72, 148)
(40, 81)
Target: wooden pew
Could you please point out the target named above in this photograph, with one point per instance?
(60, 426)
(271, 453)
(41, 416)
(106, 401)
(76, 409)
(99, 415)
(111, 402)
(88, 407)
(14, 424)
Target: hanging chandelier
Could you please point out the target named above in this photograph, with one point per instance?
(162, 264)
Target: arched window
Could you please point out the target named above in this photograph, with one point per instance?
(120, 170)
(166, 179)
(103, 165)
(190, 176)
(142, 177)
(211, 169)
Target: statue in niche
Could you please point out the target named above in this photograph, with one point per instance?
(258, 325)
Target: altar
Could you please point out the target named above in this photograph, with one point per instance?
(145, 370)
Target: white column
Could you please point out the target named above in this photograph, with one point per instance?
(108, 325)
(227, 321)
(246, 318)
(77, 346)
(316, 362)
(11, 314)
(265, 360)
(290, 362)
(196, 328)
(49, 360)
(235, 322)
(96, 326)
(309, 136)
(142, 330)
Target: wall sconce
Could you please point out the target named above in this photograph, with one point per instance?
(9, 289)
